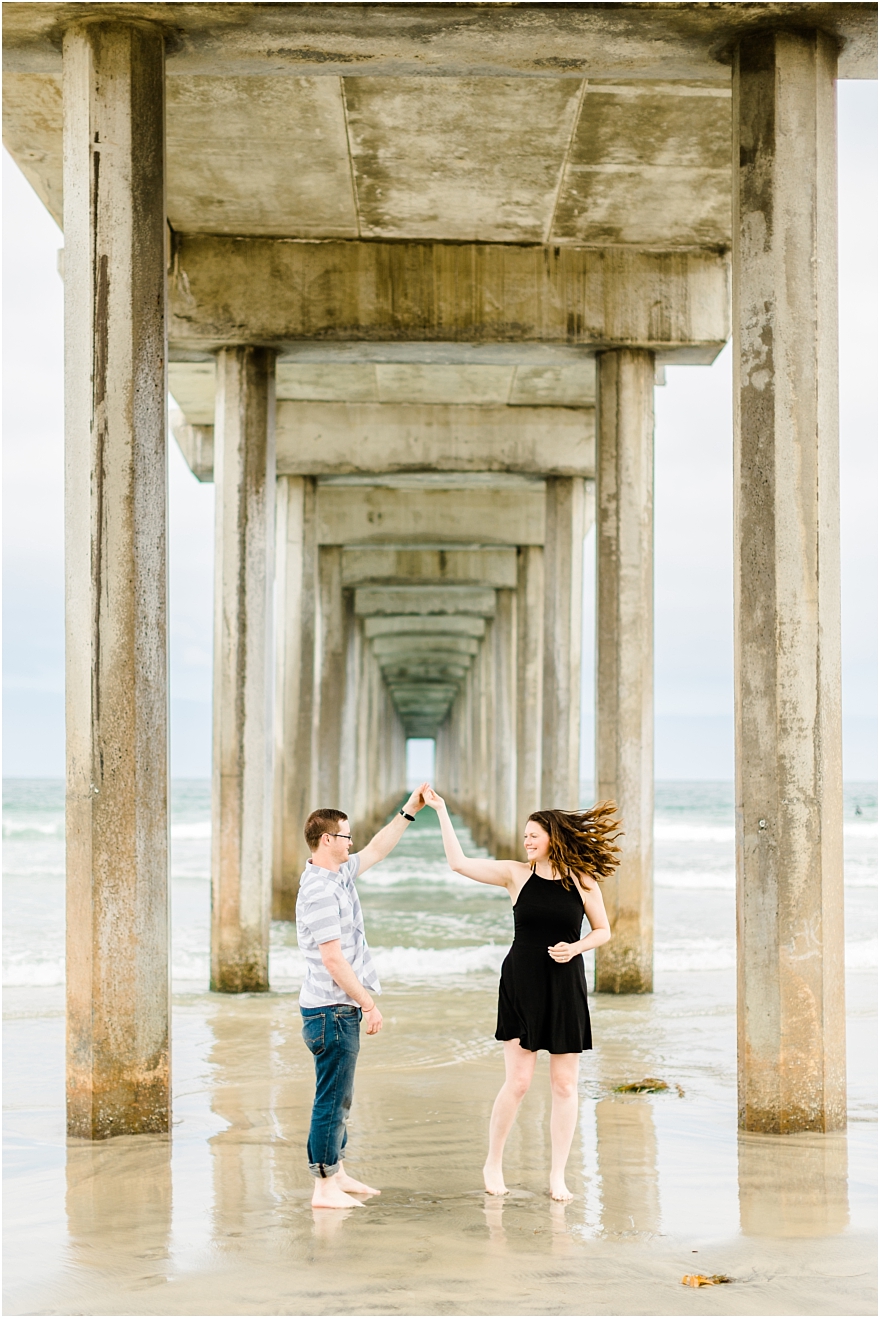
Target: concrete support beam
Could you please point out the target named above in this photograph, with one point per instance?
(296, 599)
(424, 600)
(414, 646)
(196, 443)
(787, 587)
(118, 1079)
(625, 658)
(318, 438)
(563, 604)
(281, 291)
(427, 566)
(330, 438)
(241, 848)
(490, 512)
(424, 625)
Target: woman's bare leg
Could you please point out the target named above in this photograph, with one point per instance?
(563, 1117)
(519, 1067)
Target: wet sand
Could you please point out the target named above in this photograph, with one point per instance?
(217, 1219)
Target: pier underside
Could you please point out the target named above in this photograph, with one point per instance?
(411, 274)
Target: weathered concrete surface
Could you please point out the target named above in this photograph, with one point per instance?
(296, 600)
(424, 599)
(566, 520)
(588, 124)
(504, 757)
(483, 567)
(674, 41)
(406, 643)
(314, 438)
(474, 383)
(318, 438)
(226, 289)
(196, 444)
(435, 510)
(529, 680)
(424, 625)
(241, 807)
(787, 589)
(625, 658)
(118, 1080)
(335, 619)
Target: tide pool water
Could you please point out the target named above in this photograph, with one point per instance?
(424, 923)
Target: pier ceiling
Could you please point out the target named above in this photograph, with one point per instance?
(594, 123)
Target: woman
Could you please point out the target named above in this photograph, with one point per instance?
(542, 1000)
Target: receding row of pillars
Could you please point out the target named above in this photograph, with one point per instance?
(786, 600)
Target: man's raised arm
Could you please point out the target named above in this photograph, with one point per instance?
(388, 837)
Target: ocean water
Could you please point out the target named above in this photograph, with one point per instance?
(424, 923)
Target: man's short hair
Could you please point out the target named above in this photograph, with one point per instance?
(320, 822)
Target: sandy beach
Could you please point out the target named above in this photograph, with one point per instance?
(217, 1220)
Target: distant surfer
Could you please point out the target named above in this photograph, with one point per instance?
(542, 1000)
(339, 985)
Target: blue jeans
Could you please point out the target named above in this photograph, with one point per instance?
(333, 1037)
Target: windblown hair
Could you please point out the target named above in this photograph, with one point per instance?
(320, 822)
(582, 841)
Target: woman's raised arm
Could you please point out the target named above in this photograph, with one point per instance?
(497, 872)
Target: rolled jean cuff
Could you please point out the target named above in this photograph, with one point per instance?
(320, 1170)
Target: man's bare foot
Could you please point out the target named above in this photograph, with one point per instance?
(351, 1186)
(560, 1191)
(493, 1179)
(329, 1194)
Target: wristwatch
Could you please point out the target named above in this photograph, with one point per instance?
(411, 818)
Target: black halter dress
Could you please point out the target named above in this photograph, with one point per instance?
(540, 1002)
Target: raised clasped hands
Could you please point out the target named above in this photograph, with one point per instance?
(432, 798)
(417, 800)
(563, 952)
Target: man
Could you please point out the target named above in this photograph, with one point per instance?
(339, 986)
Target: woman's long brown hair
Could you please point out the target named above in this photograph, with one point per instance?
(582, 841)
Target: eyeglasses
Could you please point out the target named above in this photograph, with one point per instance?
(347, 836)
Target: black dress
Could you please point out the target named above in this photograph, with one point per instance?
(540, 1002)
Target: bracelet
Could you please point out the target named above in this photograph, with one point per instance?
(411, 818)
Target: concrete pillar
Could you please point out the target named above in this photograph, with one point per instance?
(483, 799)
(504, 752)
(241, 807)
(118, 1079)
(787, 586)
(362, 805)
(529, 680)
(563, 607)
(330, 677)
(295, 604)
(625, 657)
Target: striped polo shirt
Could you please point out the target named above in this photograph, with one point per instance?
(328, 907)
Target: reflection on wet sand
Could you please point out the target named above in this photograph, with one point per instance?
(243, 1239)
(118, 1206)
(793, 1185)
(252, 1158)
(626, 1154)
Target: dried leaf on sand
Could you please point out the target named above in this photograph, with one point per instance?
(697, 1279)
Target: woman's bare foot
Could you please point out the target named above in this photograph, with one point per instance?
(560, 1191)
(351, 1186)
(328, 1193)
(493, 1179)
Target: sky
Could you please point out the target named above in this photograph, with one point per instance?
(693, 511)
